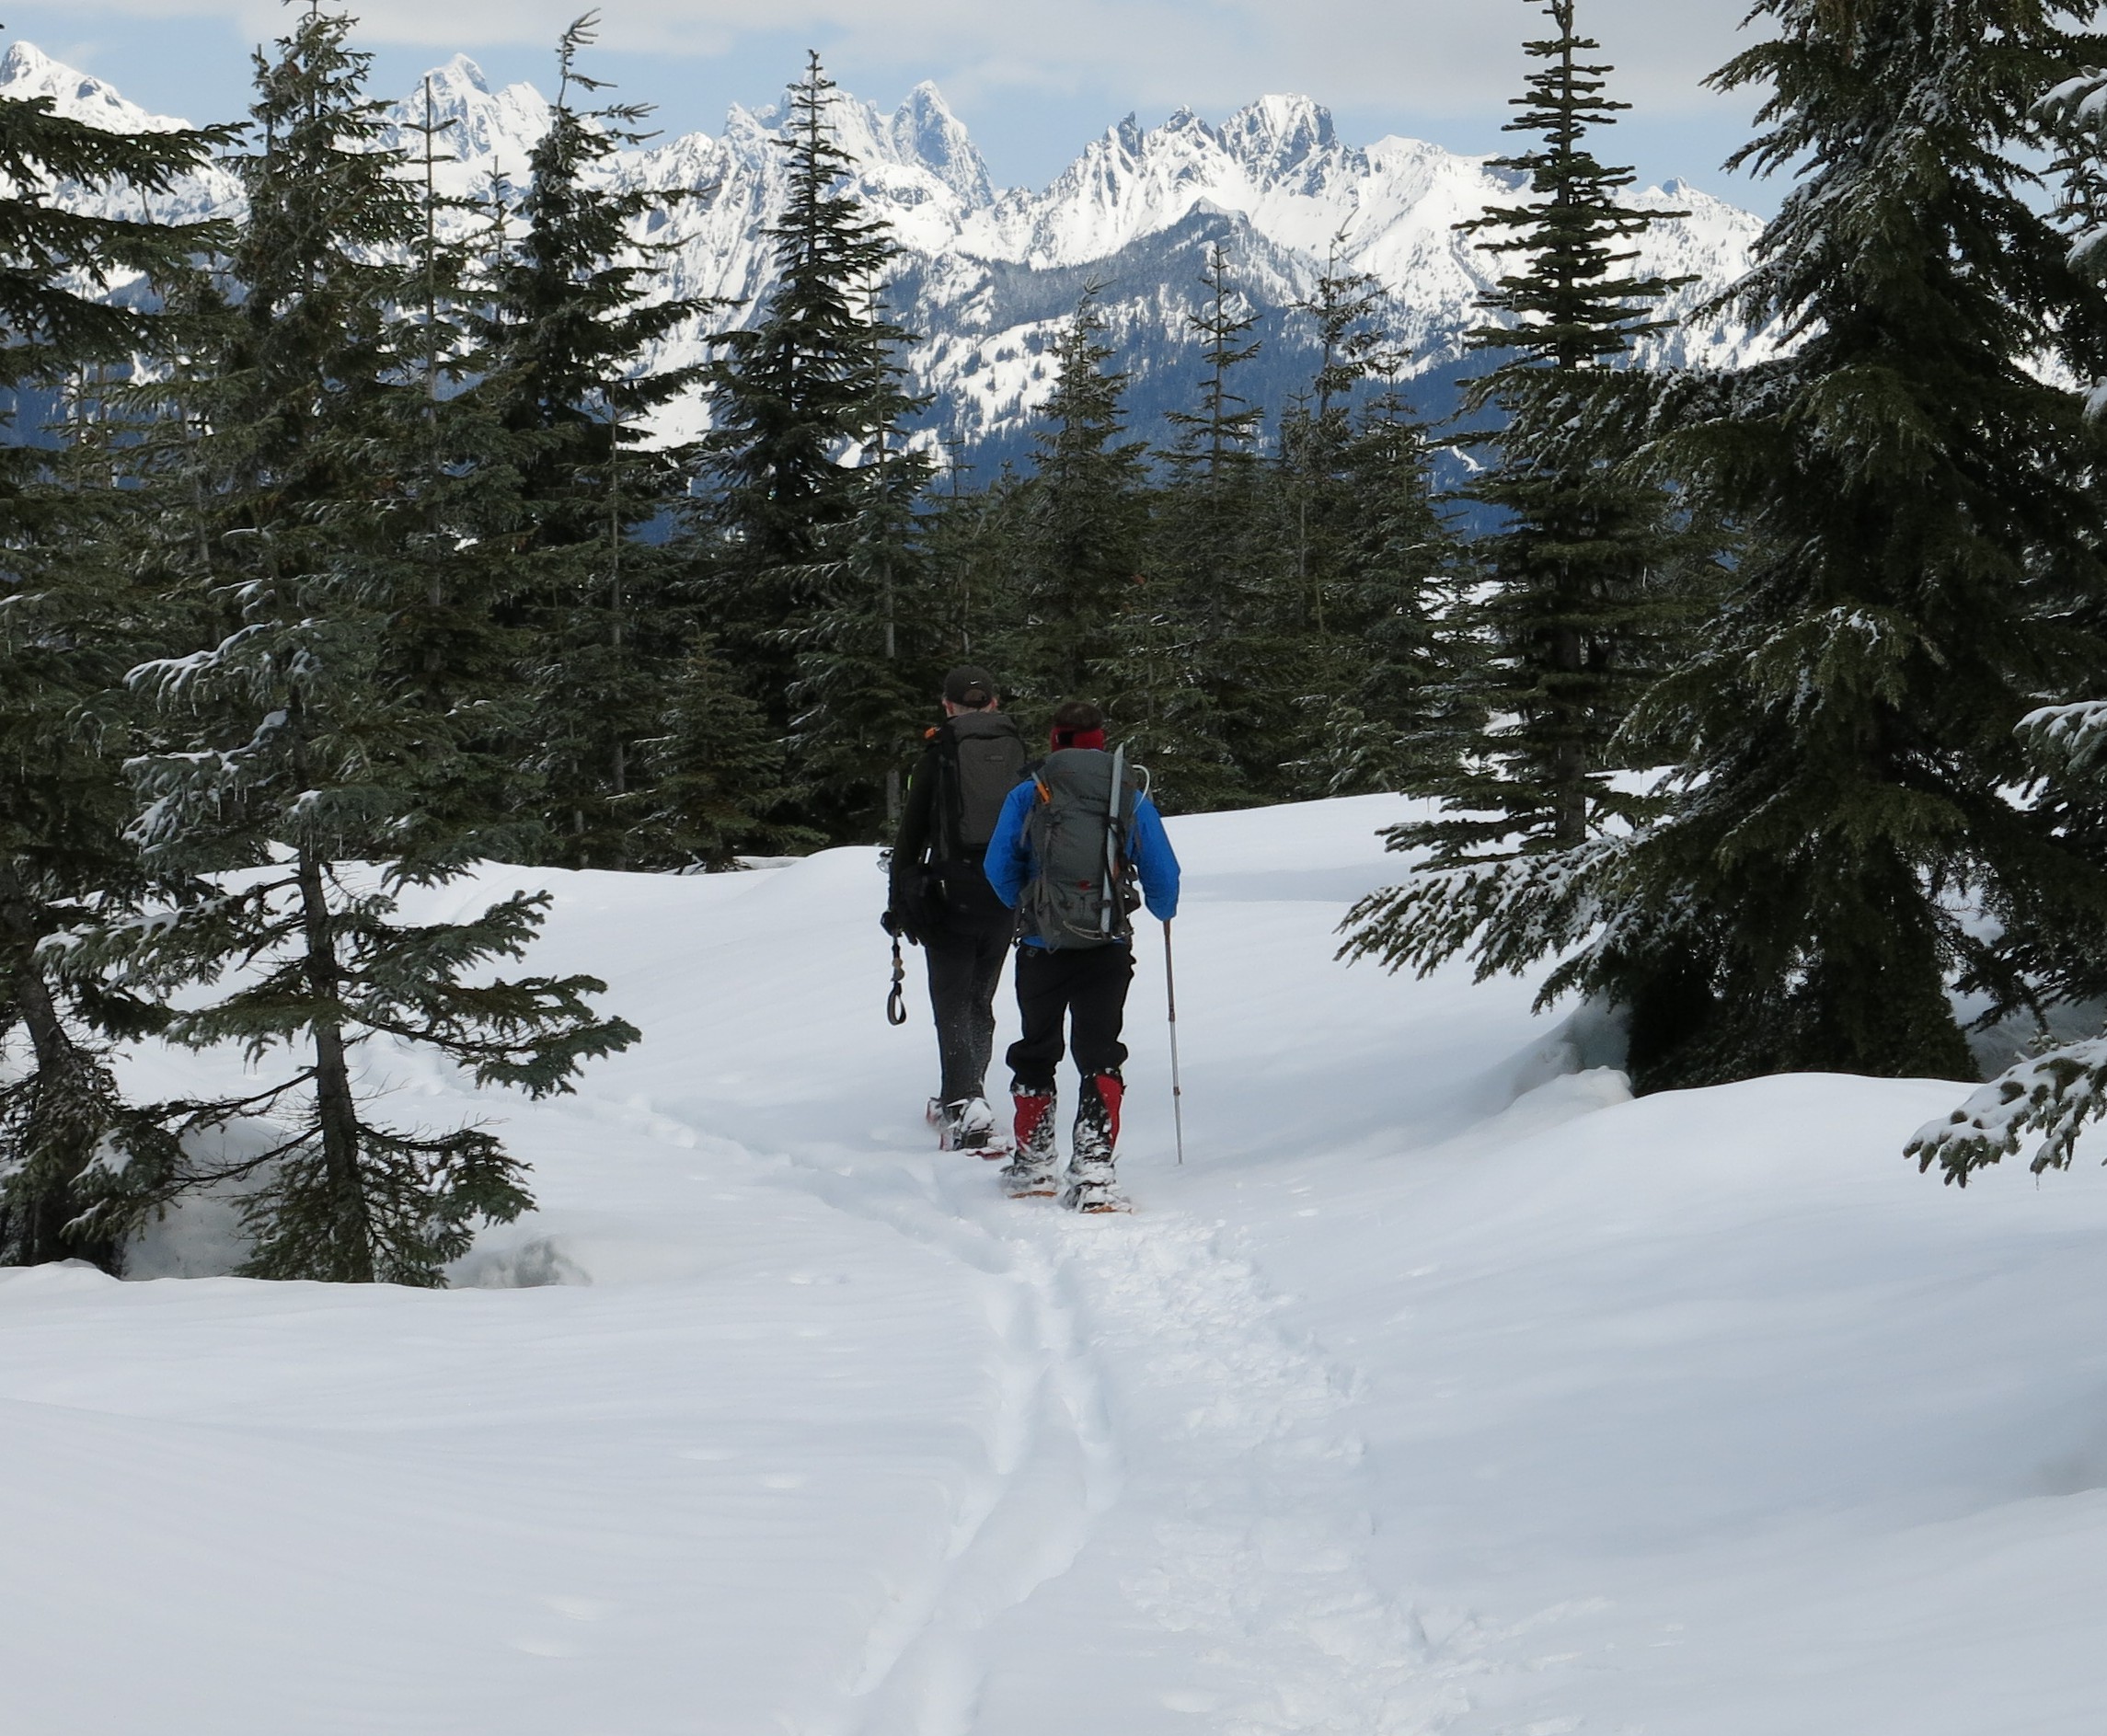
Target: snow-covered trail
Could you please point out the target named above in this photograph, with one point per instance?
(1444, 1389)
(1171, 1498)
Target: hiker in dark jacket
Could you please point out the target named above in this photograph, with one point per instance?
(940, 897)
(1075, 954)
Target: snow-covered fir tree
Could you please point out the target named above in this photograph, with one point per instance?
(806, 472)
(305, 743)
(77, 1161)
(572, 313)
(1915, 486)
(1196, 661)
(1078, 524)
(1917, 491)
(1576, 600)
(2053, 948)
(869, 646)
(1346, 316)
(1392, 688)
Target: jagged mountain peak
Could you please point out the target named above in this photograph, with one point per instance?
(462, 71)
(27, 72)
(1273, 139)
(1290, 142)
(925, 131)
(1280, 131)
(922, 134)
(486, 130)
(1279, 159)
(22, 64)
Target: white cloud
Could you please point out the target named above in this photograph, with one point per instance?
(1434, 57)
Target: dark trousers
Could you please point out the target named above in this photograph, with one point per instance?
(1084, 988)
(964, 968)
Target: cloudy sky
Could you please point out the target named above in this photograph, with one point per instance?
(1031, 78)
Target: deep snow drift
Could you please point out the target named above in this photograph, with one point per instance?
(1444, 1389)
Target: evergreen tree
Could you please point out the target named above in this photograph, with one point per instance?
(802, 404)
(966, 532)
(1395, 679)
(1922, 556)
(1320, 508)
(1578, 606)
(2053, 948)
(69, 623)
(869, 653)
(453, 558)
(1375, 568)
(569, 338)
(1079, 523)
(303, 744)
(1197, 667)
(712, 780)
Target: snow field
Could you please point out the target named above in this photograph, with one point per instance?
(1444, 1389)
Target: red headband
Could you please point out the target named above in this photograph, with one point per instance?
(1079, 737)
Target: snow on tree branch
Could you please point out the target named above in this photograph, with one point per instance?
(2054, 1095)
(2074, 736)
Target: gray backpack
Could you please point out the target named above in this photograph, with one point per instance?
(980, 759)
(1082, 814)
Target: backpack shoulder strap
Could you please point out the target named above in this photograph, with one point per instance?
(1137, 783)
(944, 810)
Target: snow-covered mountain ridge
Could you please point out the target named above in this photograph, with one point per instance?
(988, 273)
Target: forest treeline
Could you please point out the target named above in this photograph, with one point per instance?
(1758, 705)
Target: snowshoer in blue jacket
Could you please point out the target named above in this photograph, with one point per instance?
(1067, 849)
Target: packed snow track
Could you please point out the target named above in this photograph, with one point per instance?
(1444, 1389)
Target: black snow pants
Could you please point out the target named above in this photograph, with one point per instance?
(965, 966)
(1083, 987)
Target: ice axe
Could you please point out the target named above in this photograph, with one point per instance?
(1170, 1007)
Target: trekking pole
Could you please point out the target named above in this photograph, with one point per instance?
(1177, 1087)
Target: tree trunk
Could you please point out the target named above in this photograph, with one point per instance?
(69, 1106)
(336, 1107)
(1569, 755)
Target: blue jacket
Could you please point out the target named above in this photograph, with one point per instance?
(1010, 866)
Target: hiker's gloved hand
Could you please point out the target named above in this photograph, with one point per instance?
(899, 927)
(915, 908)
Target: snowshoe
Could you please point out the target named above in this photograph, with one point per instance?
(1022, 1178)
(968, 1125)
(1094, 1194)
(975, 1130)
